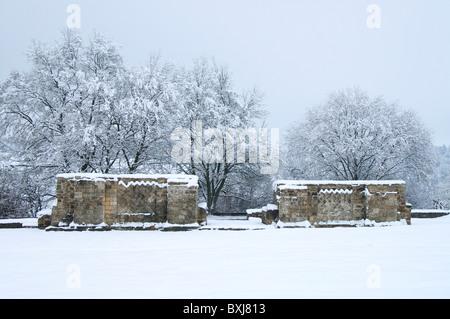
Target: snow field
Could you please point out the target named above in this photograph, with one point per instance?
(363, 262)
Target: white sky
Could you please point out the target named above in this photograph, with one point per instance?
(294, 51)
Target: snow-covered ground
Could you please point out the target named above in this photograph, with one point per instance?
(366, 262)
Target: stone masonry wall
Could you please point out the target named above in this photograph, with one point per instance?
(340, 202)
(95, 200)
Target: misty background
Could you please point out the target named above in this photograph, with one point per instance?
(296, 52)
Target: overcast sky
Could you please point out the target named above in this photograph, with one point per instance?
(296, 52)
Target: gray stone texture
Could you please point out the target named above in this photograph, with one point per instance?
(327, 201)
(93, 199)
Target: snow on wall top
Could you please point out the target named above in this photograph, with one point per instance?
(289, 186)
(190, 180)
(297, 184)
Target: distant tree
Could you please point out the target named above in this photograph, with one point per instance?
(439, 194)
(353, 136)
(23, 192)
(246, 188)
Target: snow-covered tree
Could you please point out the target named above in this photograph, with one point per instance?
(80, 109)
(210, 102)
(245, 188)
(353, 136)
(60, 114)
(148, 114)
(439, 194)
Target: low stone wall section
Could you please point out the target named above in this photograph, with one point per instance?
(338, 202)
(123, 200)
(429, 213)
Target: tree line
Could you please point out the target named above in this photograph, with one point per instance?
(82, 109)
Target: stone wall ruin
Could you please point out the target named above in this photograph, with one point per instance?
(339, 203)
(170, 202)
(104, 201)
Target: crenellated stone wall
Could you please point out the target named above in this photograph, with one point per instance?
(97, 201)
(323, 203)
